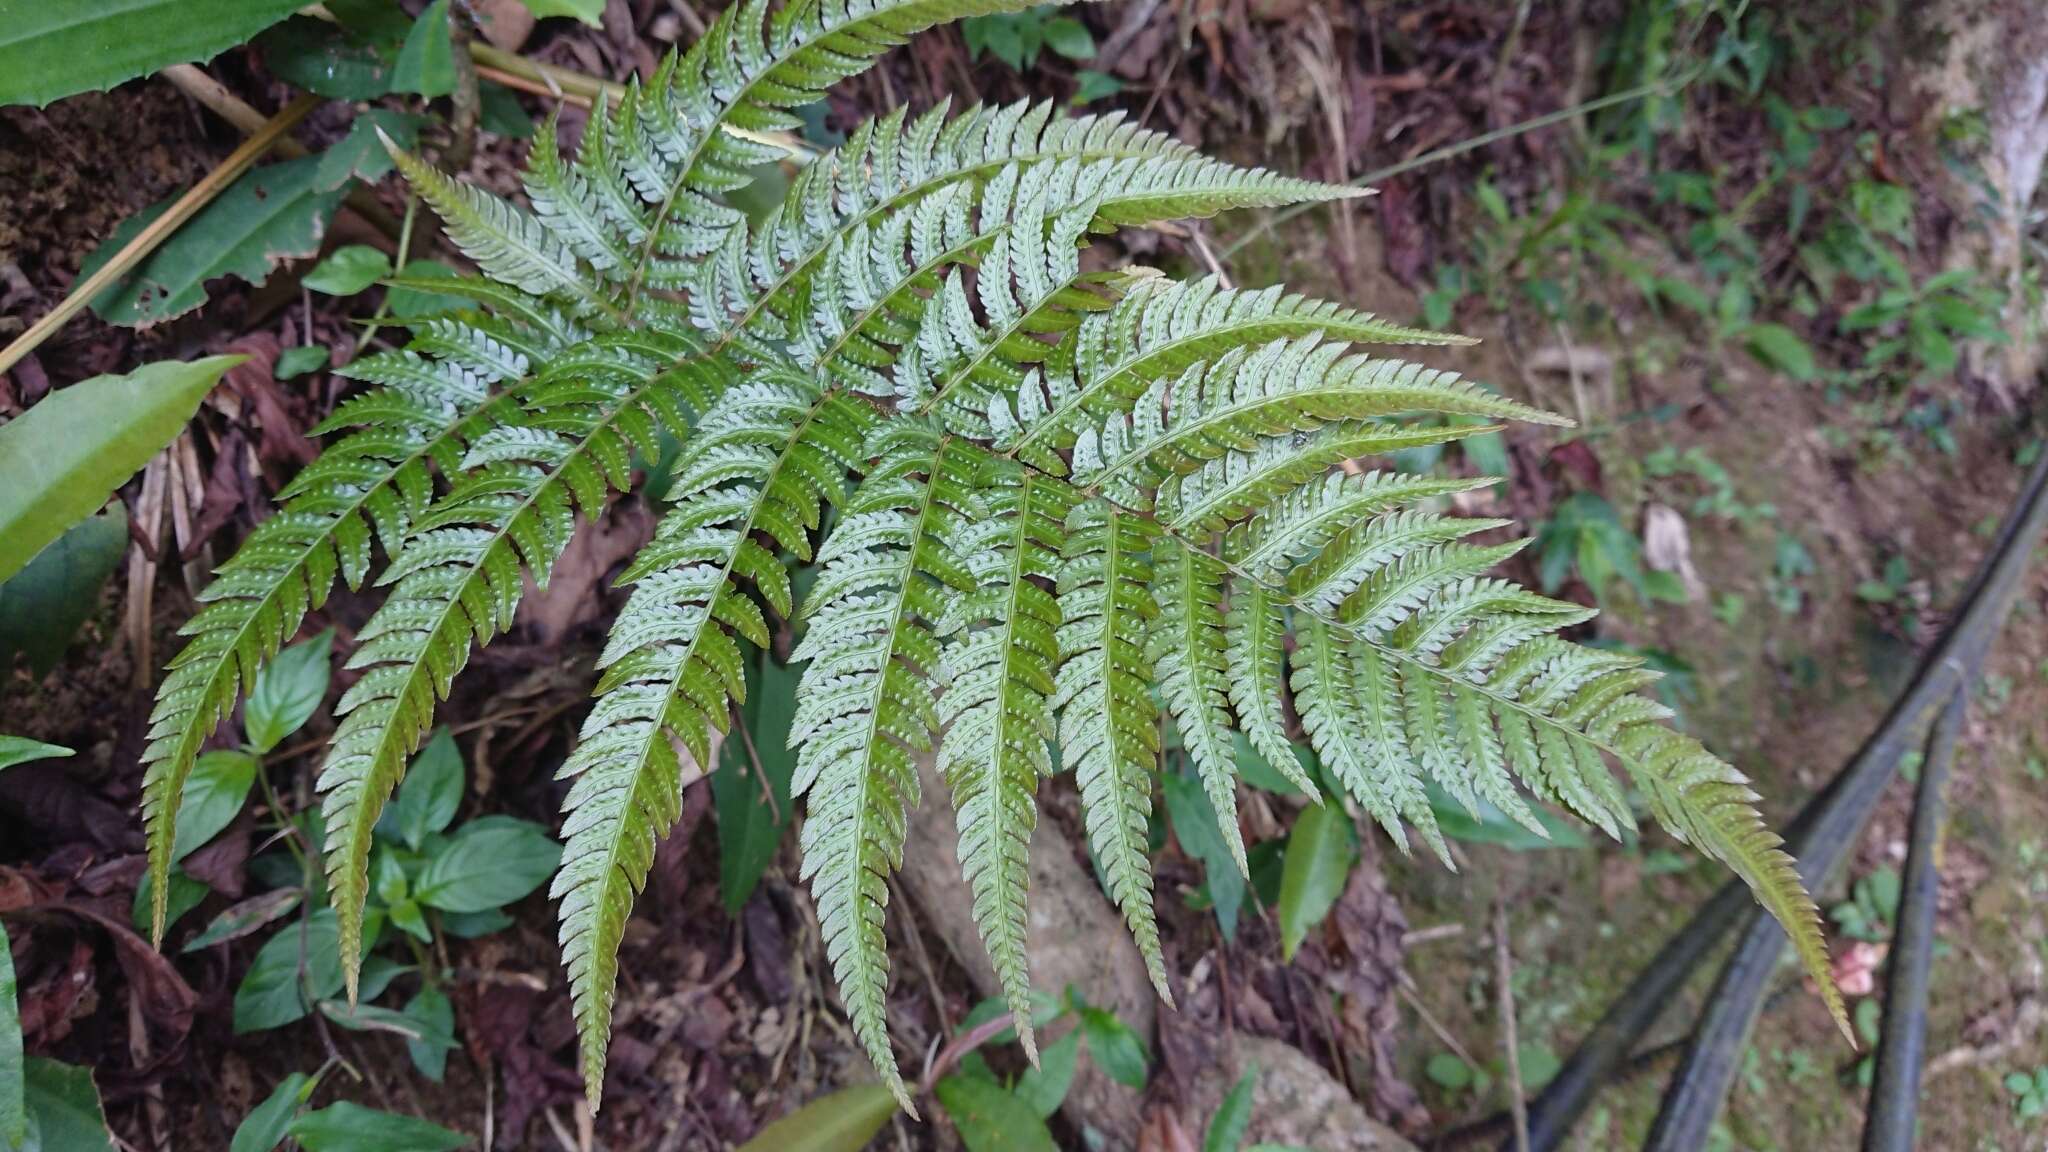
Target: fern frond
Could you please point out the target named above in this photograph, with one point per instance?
(1189, 653)
(1352, 709)
(1238, 483)
(865, 707)
(1109, 730)
(999, 676)
(764, 459)
(511, 246)
(752, 68)
(1163, 328)
(1302, 522)
(1048, 479)
(373, 482)
(1255, 637)
(459, 576)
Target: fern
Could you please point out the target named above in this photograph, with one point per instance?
(1059, 492)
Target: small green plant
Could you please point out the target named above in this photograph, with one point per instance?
(431, 878)
(2029, 1093)
(1017, 38)
(340, 1127)
(1585, 537)
(1872, 906)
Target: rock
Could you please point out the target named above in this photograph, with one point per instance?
(1076, 938)
(1295, 1103)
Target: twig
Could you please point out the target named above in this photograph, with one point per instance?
(159, 229)
(1406, 987)
(1662, 87)
(961, 1045)
(530, 76)
(465, 98)
(1421, 936)
(760, 773)
(923, 960)
(1504, 1000)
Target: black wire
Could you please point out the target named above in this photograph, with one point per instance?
(1895, 1090)
(1828, 823)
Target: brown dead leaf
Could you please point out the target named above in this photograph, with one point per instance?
(575, 591)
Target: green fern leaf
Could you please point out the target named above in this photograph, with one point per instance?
(765, 458)
(1190, 655)
(999, 674)
(1048, 478)
(1166, 327)
(1108, 728)
(459, 576)
(865, 703)
(373, 482)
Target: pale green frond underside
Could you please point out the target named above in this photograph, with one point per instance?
(1057, 492)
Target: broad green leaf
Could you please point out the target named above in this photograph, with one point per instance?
(50, 49)
(186, 894)
(276, 212)
(348, 270)
(288, 691)
(502, 114)
(266, 1124)
(991, 1118)
(1115, 1047)
(332, 60)
(431, 1009)
(1045, 1008)
(246, 917)
(218, 787)
(371, 1018)
(13, 1105)
(43, 605)
(1449, 1071)
(272, 994)
(1194, 824)
(407, 916)
(1233, 1116)
(1492, 826)
(426, 64)
(296, 362)
(1090, 86)
(346, 1127)
(1254, 770)
(60, 460)
(22, 750)
(361, 154)
(64, 1113)
(588, 11)
(1070, 38)
(1044, 1088)
(489, 863)
(431, 790)
(842, 1122)
(470, 925)
(750, 824)
(1781, 348)
(1319, 855)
